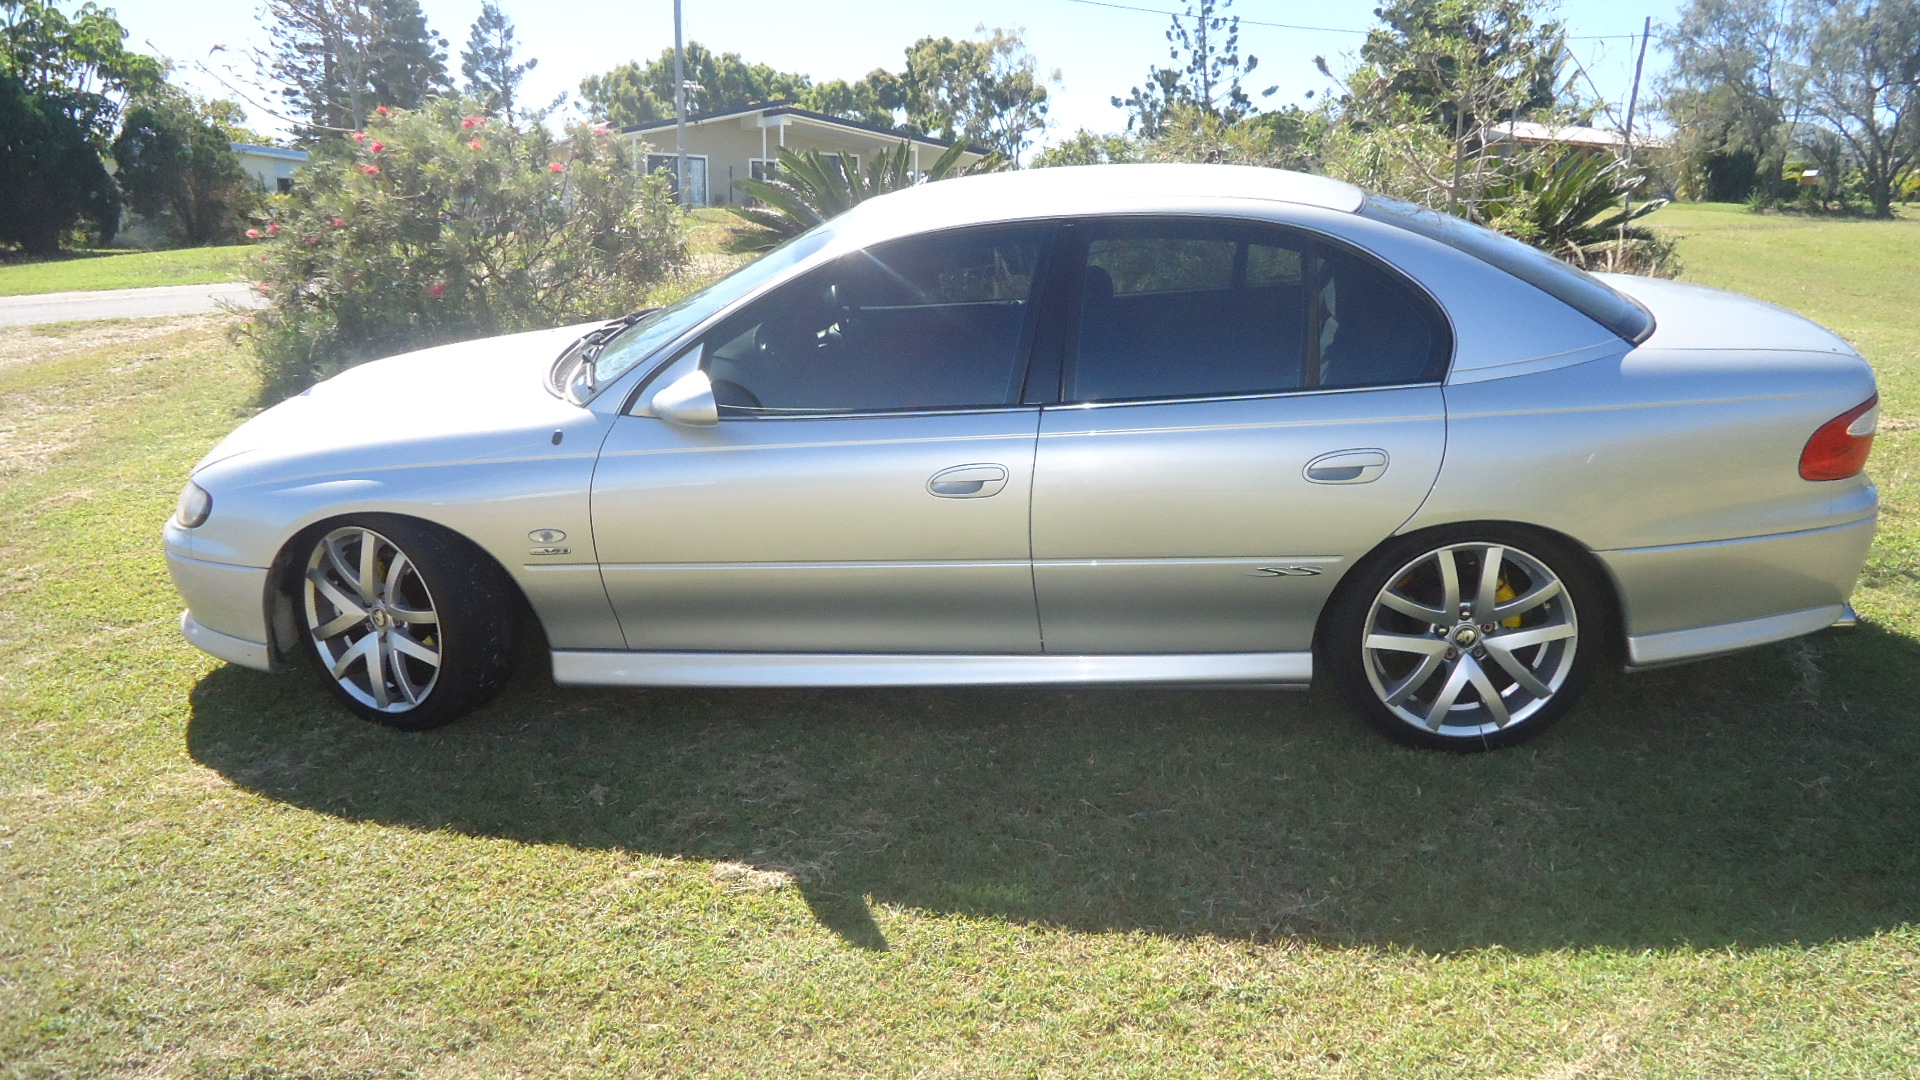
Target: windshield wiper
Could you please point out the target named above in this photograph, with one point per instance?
(589, 345)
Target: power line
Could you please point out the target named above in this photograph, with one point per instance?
(1311, 29)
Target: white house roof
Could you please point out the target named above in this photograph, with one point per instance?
(280, 152)
(787, 112)
(1527, 131)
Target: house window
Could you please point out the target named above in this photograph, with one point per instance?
(283, 184)
(763, 168)
(696, 174)
(852, 161)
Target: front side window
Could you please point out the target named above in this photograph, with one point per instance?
(930, 322)
(1201, 309)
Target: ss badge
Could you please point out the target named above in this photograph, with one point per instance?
(1286, 571)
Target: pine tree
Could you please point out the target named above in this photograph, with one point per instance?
(487, 61)
(410, 60)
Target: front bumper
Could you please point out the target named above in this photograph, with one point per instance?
(226, 609)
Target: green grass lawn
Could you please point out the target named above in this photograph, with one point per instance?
(208, 872)
(96, 270)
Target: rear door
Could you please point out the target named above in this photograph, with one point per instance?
(1244, 411)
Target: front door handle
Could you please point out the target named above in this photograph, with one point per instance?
(1347, 467)
(968, 481)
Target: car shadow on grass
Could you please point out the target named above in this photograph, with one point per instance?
(1760, 799)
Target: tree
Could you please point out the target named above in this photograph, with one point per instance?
(1862, 75)
(1208, 74)
(61, 81)
(1444, 57)
(874, 100)
(174, 157)
(1086, 148)
(78, 63)
(339, 60)
(636, 93)
(986, 91)
(809, 187)
(487, 61)
(1419, 116)
(442, 225)
(50, 172)
(409, 62)
(1732, 93)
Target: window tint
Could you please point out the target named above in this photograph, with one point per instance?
(1178, 310)
(929, 322)
(1571, 286)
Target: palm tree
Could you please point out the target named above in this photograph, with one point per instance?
(811, 187)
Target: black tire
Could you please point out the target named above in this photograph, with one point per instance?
(434, 637)
(1458, 676)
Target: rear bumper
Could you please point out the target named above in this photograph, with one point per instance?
(1688, 601)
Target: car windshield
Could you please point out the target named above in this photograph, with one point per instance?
(619, 354)
(1573, 287)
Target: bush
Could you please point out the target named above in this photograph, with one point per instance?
(438, 225)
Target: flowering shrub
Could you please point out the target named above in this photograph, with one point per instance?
(468, 226)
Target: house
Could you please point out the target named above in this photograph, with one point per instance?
(732, 144)
(1526, 133)
(270, 167)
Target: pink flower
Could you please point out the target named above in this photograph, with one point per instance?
(602, 129)
(253, 234)
(359, 136)
(264, 288)
(556, 167)
(377, 147)
(438, 290)
(370, 170)
(339, 223)
(273, 229)
(381, 111)
(471, 122)
(474, 145)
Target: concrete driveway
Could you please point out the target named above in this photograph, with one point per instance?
(125, 303)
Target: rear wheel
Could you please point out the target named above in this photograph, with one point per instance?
(407, 625)
(1466, 639)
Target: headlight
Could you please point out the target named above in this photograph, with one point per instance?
(194, 506)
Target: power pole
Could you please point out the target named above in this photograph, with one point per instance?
(680, 113)
(1633, 99)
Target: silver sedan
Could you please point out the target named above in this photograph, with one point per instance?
(1127, 424)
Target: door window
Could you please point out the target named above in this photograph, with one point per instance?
(930, 322)
(1183, 310)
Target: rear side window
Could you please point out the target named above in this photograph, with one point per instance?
(1571, 286)
(1199, 309)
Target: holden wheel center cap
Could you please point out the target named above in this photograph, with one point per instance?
(1466, 637)
(380, 618)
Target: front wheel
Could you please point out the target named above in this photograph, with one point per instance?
(408, 626)
(1468, 639)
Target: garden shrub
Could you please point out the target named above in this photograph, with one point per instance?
(442, 224)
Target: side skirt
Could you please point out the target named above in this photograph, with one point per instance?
(609, 668)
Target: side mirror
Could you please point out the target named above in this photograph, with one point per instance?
(687, 401)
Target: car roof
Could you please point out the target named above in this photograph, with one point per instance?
(1089, 189)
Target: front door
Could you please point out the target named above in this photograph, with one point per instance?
(867, 487)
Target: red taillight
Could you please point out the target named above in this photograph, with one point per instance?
(1839, 449)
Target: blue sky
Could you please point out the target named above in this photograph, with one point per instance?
(1100, 49)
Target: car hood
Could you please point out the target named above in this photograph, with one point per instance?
(1696, 317)
(472, 399)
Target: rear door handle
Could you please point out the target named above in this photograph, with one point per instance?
(1347, 467)
(968, 481)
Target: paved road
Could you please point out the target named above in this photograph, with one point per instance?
(124, 303)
